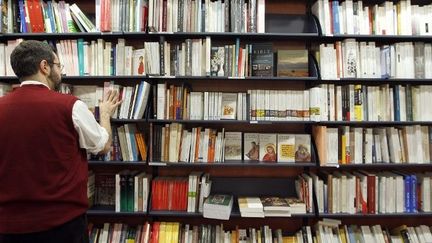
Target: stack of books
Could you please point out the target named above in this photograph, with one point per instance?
(297, 206)
(251, 207)
(218, 207)
(276, 207)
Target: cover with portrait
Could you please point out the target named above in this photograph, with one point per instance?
(268, 147)
(302, 148)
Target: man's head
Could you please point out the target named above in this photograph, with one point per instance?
(35, 60)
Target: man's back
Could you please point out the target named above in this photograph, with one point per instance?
(43, 171)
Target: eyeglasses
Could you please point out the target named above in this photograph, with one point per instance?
(59, 65)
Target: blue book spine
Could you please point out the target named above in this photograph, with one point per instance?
(407, 190)
(113, 56)
(80, 45)
(335, 12)
(51, 17)
(396, 103)
(413, 193)
(22, 16)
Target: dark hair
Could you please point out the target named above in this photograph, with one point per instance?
(26, 57)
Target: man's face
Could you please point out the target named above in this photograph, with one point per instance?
(55, 73)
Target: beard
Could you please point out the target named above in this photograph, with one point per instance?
(55, 79)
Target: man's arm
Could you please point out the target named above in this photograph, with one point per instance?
(107, 108)
(94, 137)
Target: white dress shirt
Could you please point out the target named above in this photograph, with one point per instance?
(92, 136)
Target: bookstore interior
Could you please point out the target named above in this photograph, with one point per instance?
(250, 121)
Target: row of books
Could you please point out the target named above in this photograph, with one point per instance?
(193, 57)
(31, 16)
(357, 145)
(326, 230)
(326, 102)
(351, 59)
(180, 193)
(388, 18)
(373, 193)
(230, 60)
(260, 207)
(134, 98)
(330, 230)
(330, 102)
(127, 191)
(207, 16)
(121, 16)
(172, 143)
(179, 103)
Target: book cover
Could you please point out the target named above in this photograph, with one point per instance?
(262, 60)
(251, 146)
(217, 61)
(292, 63)
(138, 62)
(267, 147)
(302, 148)
(286, 147)
(229, 106)
(233, 146)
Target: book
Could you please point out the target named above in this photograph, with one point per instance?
(286, 147)
(233, 149)
(218, 206)
(229, 106)
(268, 147)
(262, 60)
(251, 146)
(302, 148)
(292, 63)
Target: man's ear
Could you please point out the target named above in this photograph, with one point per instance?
(44, 67)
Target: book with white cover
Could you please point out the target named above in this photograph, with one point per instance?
(229, 106)
(268, 147)
(232, 147)
(251, 146)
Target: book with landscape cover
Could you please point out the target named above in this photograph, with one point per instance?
(292, 63)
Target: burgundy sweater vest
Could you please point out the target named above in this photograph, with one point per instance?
(43, 171)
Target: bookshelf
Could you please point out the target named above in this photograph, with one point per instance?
(288, 24)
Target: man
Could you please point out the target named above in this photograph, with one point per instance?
(44, 136)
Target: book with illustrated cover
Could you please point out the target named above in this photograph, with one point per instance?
(217, 61)
(292, 63)
(262, 60)
(233, 148)
(251, 146)
(302, 148)
(268, 147)
(138, 62)
(229, 106)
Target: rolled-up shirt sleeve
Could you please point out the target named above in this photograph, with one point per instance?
(92, 136)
